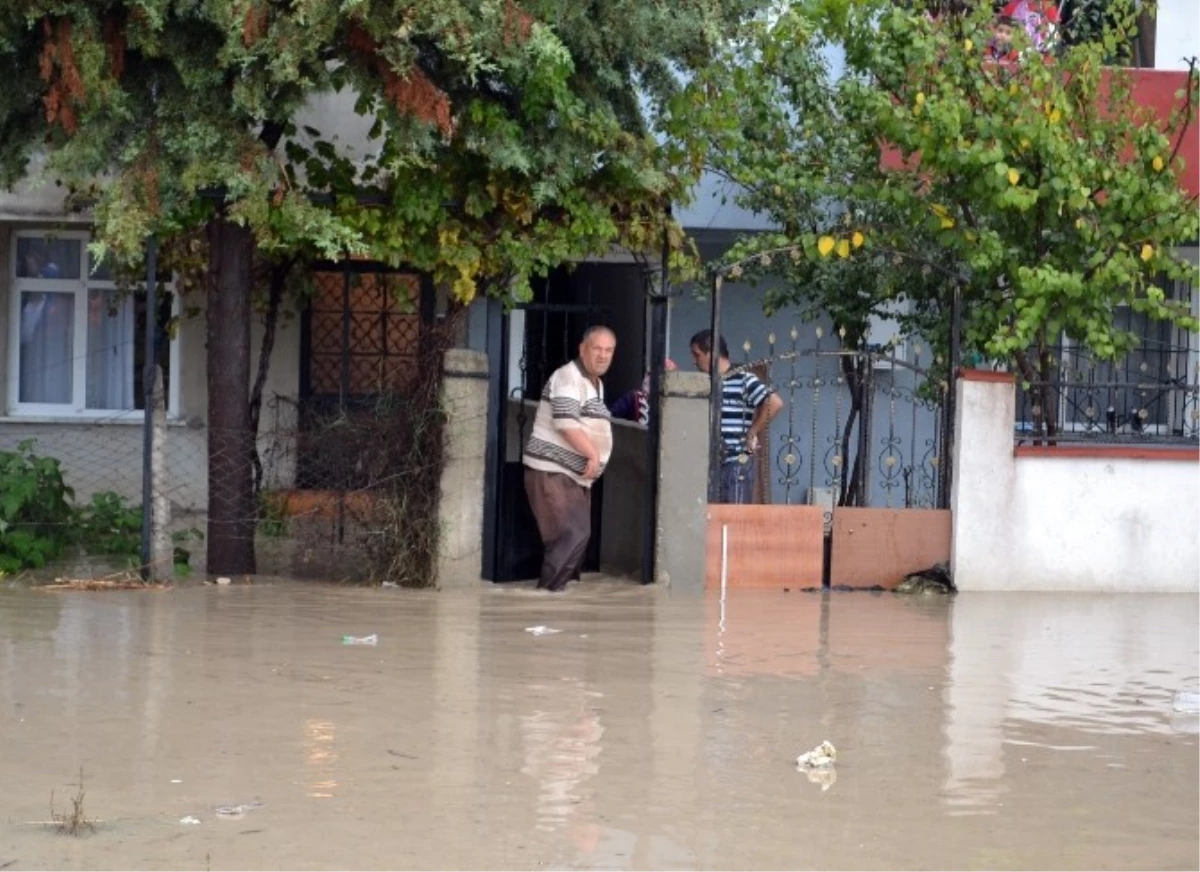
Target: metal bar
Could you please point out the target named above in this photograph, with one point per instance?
(148, 400)
(658, 355)
(497, 404)
(714, 395)
(345, 381)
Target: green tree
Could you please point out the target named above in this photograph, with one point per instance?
(1032, 193)
(506, 139)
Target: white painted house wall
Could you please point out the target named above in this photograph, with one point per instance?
(1176, 34)
(1093, 524)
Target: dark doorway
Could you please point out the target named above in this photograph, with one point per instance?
(526, 345)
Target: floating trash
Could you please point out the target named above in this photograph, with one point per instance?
(541, 631)
(821, 756)
(373, 639)
(235, 812)
(189, 821)
(1187, 701)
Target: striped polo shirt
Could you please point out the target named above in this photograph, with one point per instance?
(741, 395)
(570, 400)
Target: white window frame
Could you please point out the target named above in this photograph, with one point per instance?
(76, 410)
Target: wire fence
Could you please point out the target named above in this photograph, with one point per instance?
(340, 487)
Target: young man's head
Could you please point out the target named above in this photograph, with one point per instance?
(596, 350)
(701, 347)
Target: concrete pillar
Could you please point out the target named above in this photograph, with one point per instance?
(460, 513)
(983, 476)
(682, 481)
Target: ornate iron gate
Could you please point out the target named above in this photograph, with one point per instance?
(858, 427)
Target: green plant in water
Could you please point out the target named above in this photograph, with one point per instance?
(35, 509)
(110, 525)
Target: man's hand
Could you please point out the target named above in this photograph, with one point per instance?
(592, 470)
(751, 442)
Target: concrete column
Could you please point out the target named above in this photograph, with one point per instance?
(983, 477)
(464, 398)
(682, 481)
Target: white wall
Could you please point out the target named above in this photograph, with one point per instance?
(1177, 34)
(1065, 523)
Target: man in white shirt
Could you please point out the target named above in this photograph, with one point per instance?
(567, 451)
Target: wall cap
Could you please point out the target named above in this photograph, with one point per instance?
(987, 375)
(694, 385)
(1110, 452)
(464, 361)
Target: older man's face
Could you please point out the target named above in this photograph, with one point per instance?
(596, 352)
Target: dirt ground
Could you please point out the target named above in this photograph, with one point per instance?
(231, 728)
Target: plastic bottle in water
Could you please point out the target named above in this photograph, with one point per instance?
(373, 639)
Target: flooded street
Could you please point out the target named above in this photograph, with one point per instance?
(652, 731)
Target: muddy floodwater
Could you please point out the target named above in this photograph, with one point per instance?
(231, 728)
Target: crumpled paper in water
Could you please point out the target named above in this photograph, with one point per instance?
(541, 631)
(817, 764)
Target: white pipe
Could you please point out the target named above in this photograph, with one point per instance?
(724, 570)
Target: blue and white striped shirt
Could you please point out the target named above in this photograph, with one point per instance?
(742, 393)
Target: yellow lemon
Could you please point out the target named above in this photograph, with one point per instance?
(825, 245)
(843, 248)
(968, 45)
(947, 223)
(857, 239)
(1157, 163)
(1013, 177)
(920, 98)
(1147, 251)
(1054, 116)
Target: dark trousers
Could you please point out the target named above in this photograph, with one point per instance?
(563, 509)
(737, 481)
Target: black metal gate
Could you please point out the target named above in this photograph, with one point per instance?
(550, 338)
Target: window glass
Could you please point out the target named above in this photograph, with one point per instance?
(48, 258)
(46, 347)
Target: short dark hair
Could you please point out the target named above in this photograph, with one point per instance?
(703, 341)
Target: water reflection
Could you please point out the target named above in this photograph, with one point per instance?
(320, 758)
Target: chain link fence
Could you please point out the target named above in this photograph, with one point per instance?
(336, 487)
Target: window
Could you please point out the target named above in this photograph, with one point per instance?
(77, 344)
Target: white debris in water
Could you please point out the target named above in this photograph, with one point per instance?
(541, 631)
(1187, 701)
(235, 812)
(177, 781)
(224, 580)
(821, 756)
(189, 821)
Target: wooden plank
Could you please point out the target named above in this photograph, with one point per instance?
(769, 546)
(881, 546)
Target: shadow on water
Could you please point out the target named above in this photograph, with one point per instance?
(653, 730)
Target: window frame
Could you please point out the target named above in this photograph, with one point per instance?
(76, 409)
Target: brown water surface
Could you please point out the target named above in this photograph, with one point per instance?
(654, 731)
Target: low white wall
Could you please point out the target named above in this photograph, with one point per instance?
(1066, 523)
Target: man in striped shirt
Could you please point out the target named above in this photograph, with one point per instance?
(747, 406)
(567, 451)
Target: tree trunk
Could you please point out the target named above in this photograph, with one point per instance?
(231, 510)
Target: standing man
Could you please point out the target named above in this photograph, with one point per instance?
(747, 406)
(567, 450)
